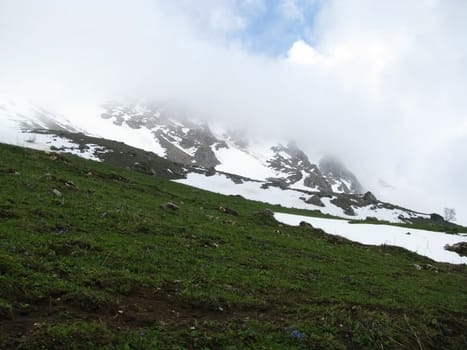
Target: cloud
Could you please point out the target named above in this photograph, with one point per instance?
(226, 21)
(301, 52)
(381, 84)
(290, 10)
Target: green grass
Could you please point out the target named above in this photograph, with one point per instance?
(104, 266)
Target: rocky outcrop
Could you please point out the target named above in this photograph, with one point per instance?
(189, 143)
(459, 248)
(205, 156)
(345, 203)
(436, 218)
(338, 175)
(315, 200)
(369, 198)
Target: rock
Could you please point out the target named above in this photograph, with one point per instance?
(205, 156)
(277, 182)
(49, 177)
(229, 222)
(305, 224)
(211, 171)
(296, 334)
(235, 178)
(229, 211)
(266, 217)
(237, 196)
(333, 169)
(459, 248)
(345, 203)
(170, 206)
(428, 267)
(436, 217)
(70, 184)
(315, 200)
(369, 198)
(57, 193)
(316, 180)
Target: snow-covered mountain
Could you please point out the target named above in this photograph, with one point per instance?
(198, 154)
(187, 141)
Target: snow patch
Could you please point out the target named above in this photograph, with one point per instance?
(427, 243)
(288, 198)
(236, 161)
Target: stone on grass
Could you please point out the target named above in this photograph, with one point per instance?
(170, 206)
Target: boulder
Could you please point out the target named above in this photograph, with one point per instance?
(229, 211)
(266, 217)
(369, 198)
(57, 193)
(211, 171)
(170, 206)
(436, 218)
(459, 248)
(305, 224)
(315, 200)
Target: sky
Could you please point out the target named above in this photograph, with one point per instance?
(380, 84)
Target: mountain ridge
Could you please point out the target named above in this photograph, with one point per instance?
(275, 172)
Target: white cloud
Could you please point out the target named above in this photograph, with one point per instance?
(301, 52)
(226, 21)
(383, 85)
(290, 10)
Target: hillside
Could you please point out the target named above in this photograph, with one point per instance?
(160, 139)
(93, 256)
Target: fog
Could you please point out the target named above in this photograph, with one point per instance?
(382, 85)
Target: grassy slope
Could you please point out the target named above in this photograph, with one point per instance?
(106, 266)
(124, 156)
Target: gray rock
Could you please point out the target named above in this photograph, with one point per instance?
(211, 171)
(436, 217)
(369, 198)
(170, 206)
(227, 210)
(315, 200)
(205, 156)
(345, 202)
(459, 248)
(57, 193)
(334, 170)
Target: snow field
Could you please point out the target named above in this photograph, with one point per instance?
(288, 198)
(427, 243)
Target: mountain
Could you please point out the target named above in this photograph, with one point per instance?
(161, 139)
(187, 141)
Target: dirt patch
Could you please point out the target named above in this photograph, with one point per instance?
(142, 308)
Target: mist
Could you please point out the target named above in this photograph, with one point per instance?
(381, 85)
